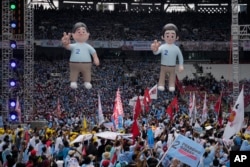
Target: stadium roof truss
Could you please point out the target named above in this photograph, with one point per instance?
(244, 31)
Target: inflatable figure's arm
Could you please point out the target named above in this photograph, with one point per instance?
(66, 40)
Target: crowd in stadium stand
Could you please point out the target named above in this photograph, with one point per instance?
(49, 24)
(51, 145)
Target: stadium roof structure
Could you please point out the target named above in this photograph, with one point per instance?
(158, 1)
(154, 5)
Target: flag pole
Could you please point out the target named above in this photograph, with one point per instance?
(164, 155)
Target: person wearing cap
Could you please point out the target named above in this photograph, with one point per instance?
(81, 52)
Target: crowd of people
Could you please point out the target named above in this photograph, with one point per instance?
(124, 25)
(51, 145)
(64, 109)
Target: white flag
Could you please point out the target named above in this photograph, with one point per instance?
(100, 114)
(191, 104)
(236, 118)
(204, 110)
(18, 110)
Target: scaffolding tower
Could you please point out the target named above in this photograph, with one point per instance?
(7, 54)
(238, 32)
(28, 60)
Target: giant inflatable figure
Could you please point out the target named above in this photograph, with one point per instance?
(80, 59)
(169, 52)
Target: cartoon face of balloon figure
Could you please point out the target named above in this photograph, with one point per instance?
(169, 53)
(80, 33)
(80, 59)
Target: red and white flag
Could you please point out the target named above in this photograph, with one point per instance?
(236, 118)
(100, 113)
(153, 92)
(118, 103)
(152, 95)
(18, 110)
(118, 113)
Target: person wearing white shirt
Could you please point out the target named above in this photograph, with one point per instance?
(58, 142)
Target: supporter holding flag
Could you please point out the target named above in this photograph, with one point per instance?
(236, 117)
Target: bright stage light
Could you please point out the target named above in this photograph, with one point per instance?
(13, 44)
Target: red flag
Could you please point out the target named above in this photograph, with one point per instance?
(217, 108)
(174, 104)
(218, 104)
(18, 110)
(135, 130)
(146, 99)
(84, 152)
(138, 109)
(114, 158)
(169, 111)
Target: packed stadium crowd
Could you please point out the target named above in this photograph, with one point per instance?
(52, 144)
(193, 26)
(71, 113)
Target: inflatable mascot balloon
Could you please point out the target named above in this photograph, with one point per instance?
(169, 53)
(81, 52)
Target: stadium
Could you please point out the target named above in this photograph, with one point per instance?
(211, 94)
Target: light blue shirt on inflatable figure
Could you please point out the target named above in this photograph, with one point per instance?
(81, 49)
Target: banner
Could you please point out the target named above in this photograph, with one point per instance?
(140, 45)
(186, 150)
